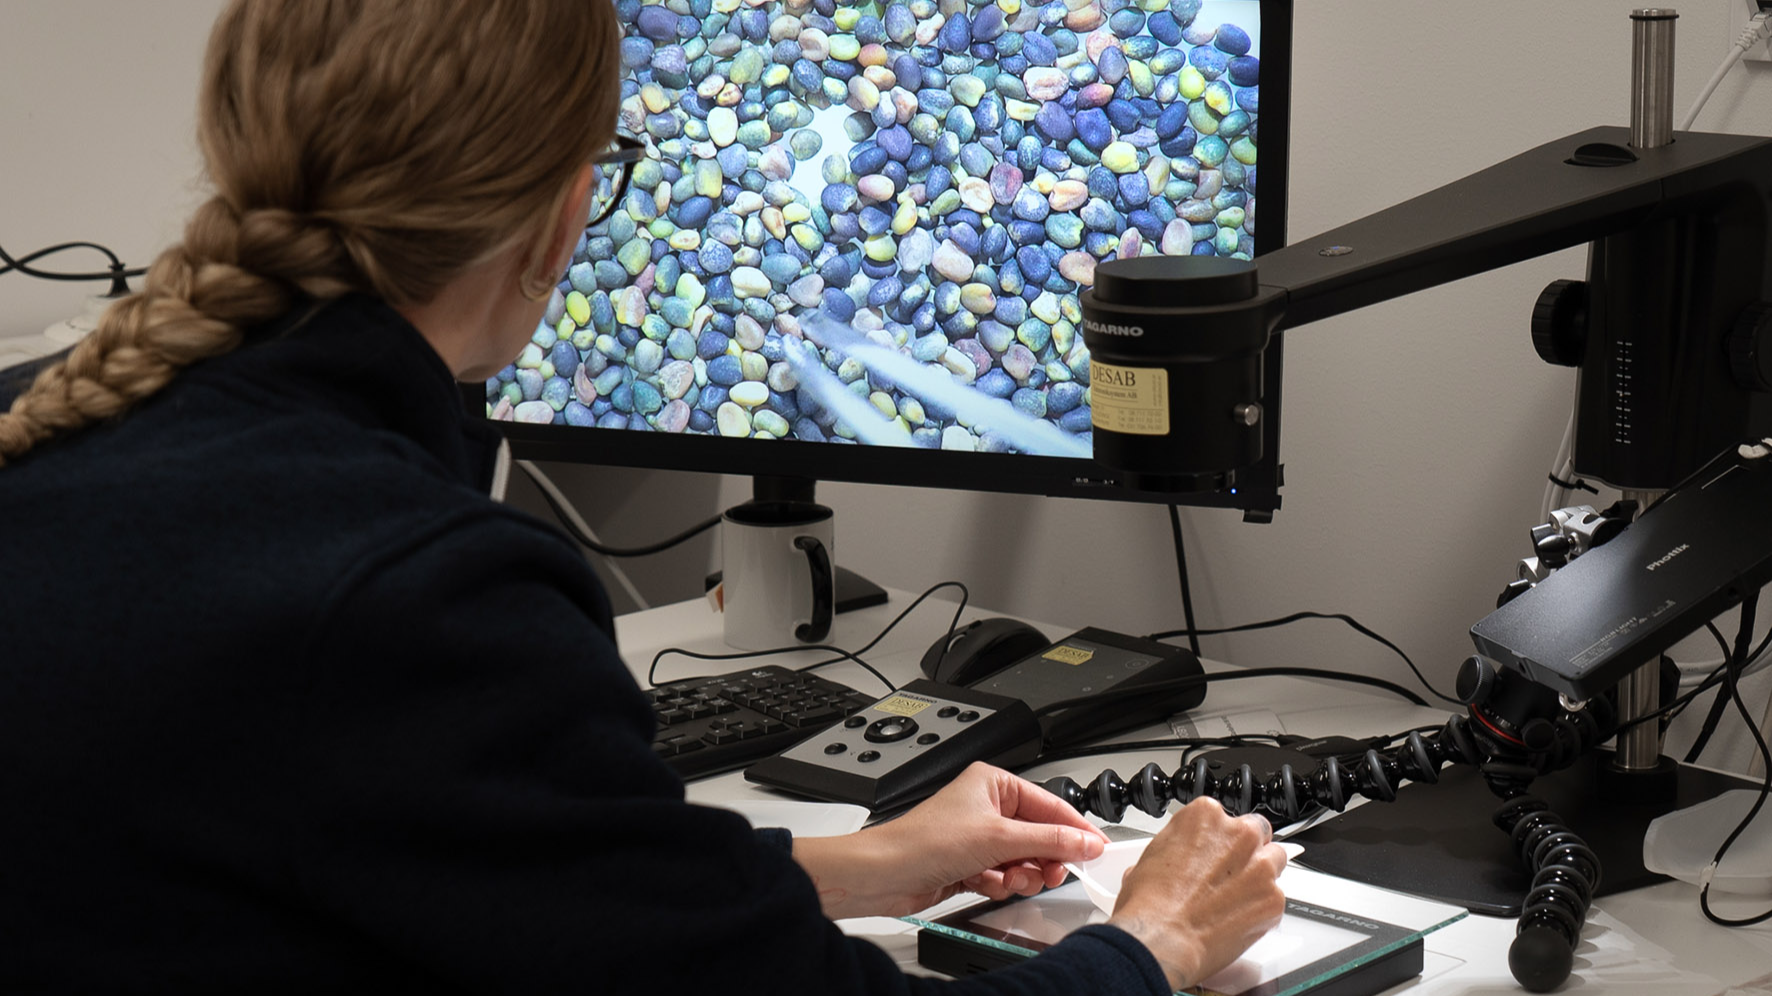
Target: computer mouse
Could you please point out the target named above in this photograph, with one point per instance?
(981, 649)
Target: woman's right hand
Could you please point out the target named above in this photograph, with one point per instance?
(1204, 890)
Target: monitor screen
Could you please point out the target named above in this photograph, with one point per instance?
(853, 246)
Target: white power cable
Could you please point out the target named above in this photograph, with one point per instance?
(1757, 32)
(566, 508)
(1555, 495)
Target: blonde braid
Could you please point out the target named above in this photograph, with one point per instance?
(199, 298)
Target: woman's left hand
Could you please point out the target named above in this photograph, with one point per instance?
(987, 832)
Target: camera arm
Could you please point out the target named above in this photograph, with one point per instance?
(1679, 255)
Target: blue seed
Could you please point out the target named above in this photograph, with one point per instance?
(716, 257)
(1099, 215)
(956, 33)
(1038, 49)
(725, 370)
(1065, 41)
(578, 415)
(1026, 233)
(885, 291)
(1209, 61)
(867, 158)
(1245, 70)
(837, 304)
(622, 398)
(976, 160)
(1162, 26)
(1077, 420)
(1249, 99)
(1094, 129)
(870, 30)
(1231, 39)
(1124, 114)
(995, 243)
(1135, 190)
(900, 23)
(996, 383)
(1054, 122)
(1182, 144)
(1111, 63)
(657, 23)
(1103, 182)
(1063, 397)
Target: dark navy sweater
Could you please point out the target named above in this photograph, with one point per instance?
(289, 705)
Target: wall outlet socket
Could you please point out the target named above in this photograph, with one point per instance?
(1740, 12)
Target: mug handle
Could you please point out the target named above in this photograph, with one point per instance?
(819, 560)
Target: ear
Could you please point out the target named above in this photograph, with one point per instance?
(567, 225)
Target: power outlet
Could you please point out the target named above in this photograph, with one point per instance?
(1740, 12)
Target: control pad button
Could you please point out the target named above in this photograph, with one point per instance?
(945, 712)
(854, 722)
(836, 748)
(868, 755)
(928, 738)
(967, 716)
(890, 730)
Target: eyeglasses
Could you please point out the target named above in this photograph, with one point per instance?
(609, 177)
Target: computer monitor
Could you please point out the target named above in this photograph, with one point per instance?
(853, 248)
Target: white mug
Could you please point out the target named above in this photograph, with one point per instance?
(777, 575)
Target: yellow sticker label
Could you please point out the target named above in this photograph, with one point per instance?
(1132, 400)
(903, 705)
(1073, 656)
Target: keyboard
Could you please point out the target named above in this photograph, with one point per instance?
(710, 725)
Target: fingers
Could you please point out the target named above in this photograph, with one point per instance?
(1023, 800)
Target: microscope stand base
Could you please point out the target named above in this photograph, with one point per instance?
(1438, 841)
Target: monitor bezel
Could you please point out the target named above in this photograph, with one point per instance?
(1258, 488)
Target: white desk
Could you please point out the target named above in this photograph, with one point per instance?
(1652, 940)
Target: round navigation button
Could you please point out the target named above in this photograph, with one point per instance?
(835, 748)
(945, 712)
(967, 716)
(855, 722)
(928, 738)
(868, 755)
(890, 730)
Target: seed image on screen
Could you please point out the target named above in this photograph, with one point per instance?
(868, 223)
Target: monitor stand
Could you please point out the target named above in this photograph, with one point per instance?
(1438, 840)
(853, 590)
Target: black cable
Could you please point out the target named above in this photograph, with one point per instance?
(1672, 710)
(1166, 743)
(1177, 684)
(652, 672)
(117, 273)
(842, 655)
(1187, 594)
(965, 596)
(584, 539)
(1576, 485)
(1295, 617)
(1733, 662)
(1734, 673)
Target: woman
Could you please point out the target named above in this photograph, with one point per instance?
(289, 704)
